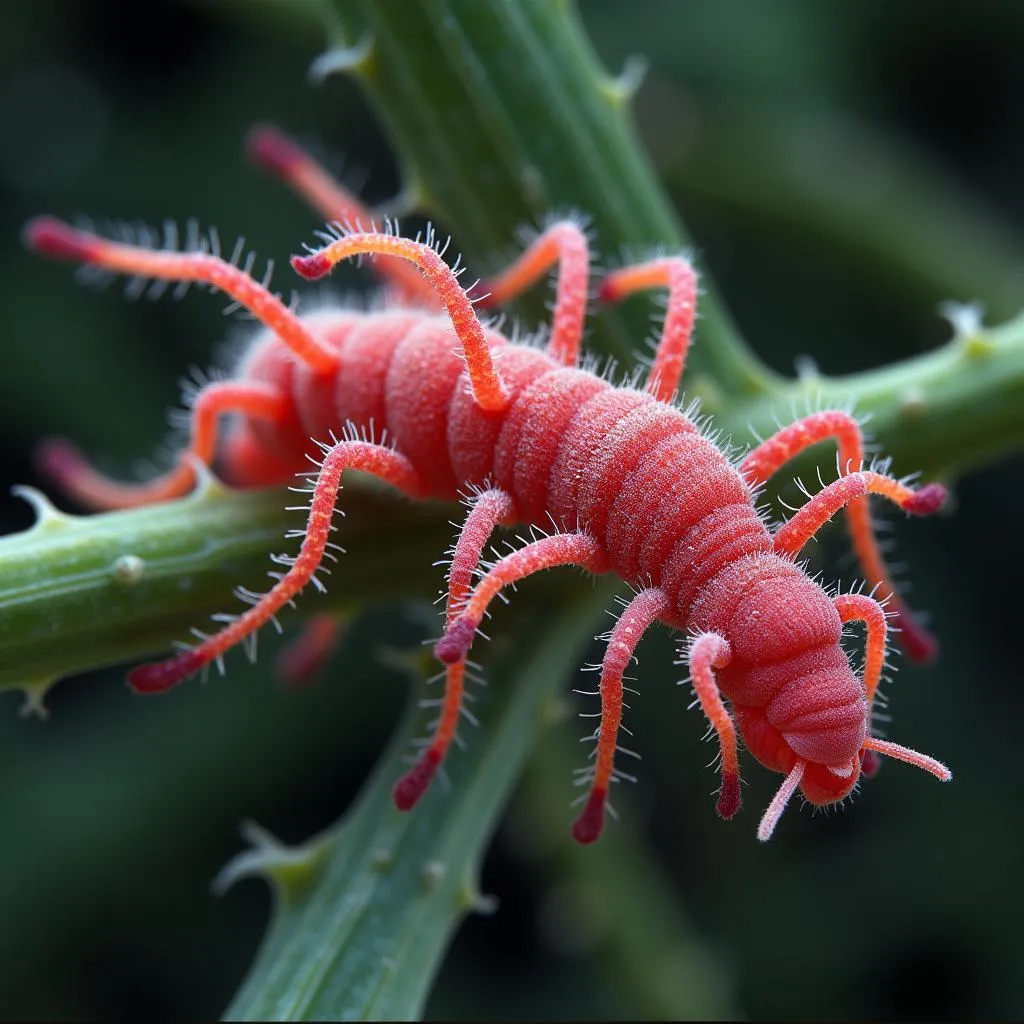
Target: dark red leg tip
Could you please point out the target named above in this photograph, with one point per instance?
(311, 267)
(456, 642)
(870, 762)
(411, 786)
(729, 796)
(56, 458)
(926, 501)
(159, 676)
(269, 148)
(588, 826)
(606, 291)
(51, 237)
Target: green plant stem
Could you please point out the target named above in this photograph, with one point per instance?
(81, 592)
(501, 114)
(940, 413)
(365, 912)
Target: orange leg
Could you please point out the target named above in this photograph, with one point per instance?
(642, 612)
(69, 470)
(861, 608)
(375, 459)
(790, 538)
(678, 276)
(275, 152)
(490, 509)
(488, 391)
(563, 243)
(547, 553)
(708, 652)
(766, 460)
(60, 241)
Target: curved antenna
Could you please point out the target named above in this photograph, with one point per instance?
(779, 801)
(898, 753)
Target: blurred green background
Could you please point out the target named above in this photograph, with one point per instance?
(843, 168)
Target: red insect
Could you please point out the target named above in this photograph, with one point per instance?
(437, 404)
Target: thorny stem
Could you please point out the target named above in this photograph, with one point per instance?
(475, 135)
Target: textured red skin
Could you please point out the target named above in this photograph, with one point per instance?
(667, 507)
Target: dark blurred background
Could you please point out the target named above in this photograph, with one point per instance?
(843, 168)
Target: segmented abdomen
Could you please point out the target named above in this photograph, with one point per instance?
(664, 501)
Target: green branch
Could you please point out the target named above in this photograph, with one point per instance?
(500, 114)
(81, 592)
(940, 413)
(365, 912)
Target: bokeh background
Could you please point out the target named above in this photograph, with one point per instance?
(843, 168)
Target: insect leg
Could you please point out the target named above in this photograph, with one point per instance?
(642, 612)
(563, 243)
(767, 458)
(677, 275)
(490, 509)
(60, 241)
(861, 608)
(384, 463)
(488, 391)
(791, 537)
(547, 553)
(68, 468)
(273, 151)
(709, 651)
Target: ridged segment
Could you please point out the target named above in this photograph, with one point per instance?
(473, 433)
(628, 444)
(683, 480)
(537, 428)
(586, 439)
(724, 536)
(418, 392)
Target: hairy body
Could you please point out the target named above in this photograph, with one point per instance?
(440, 405)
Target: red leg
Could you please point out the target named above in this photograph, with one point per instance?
(791, 537)
(69, 470)
(275, 152)
(375, 459)
(708, 652)
(488, 391)
(766, 460)
(490, 509)
(642, 612)
(60, 241)
(547, 553)
(861, 608)
(563, 243)
(678, 276)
